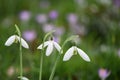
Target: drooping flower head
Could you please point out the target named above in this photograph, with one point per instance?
(50, 45)
(14, 39)
(73, 51)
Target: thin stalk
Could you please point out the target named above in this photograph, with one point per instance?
(41, 64)
(21, 63)
(58, 57)
(41, 58)
(54, 67)
(56, 62)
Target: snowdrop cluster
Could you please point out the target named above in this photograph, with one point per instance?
(68, 54)
(50, 45)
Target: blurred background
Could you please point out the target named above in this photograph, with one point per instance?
(97, 22)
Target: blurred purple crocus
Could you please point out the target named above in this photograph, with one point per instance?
(72, 18)
(48, 27)
(24, 15)
(56, 39)
(41, 18)
(116, 2)
(59, 31)
(29, 35)
(53, 14)
(103, 73)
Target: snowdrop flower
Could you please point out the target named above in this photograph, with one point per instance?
(103, 73)
(50, 44)
(15, 38)
(73, 51)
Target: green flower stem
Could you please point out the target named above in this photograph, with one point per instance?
(41, 58)
(54, 67)
(58, 57)
(41, 64)
(21, 66)
(21, 62)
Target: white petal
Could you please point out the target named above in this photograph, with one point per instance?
(23, 42)
(57, 46)
(68, 54)
(24, 78)
(10, 40)
(83, 55)
(49, 49)
(45, 44)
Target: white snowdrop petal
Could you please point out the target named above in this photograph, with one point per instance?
(23, 42)
(83, 55)
(68, 54)
(24, 78)
(10, 40)
(45, 44)
(49, 49)
(57, 46)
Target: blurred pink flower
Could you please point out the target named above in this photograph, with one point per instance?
(78, 29)
(53, 14)
(103, 73)
(48, 27)
(41, 18)
(10, 71)
(59, 31)
(24, 15)
(56, 39)
(116, 2)
(72, 18)
(29, 35)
